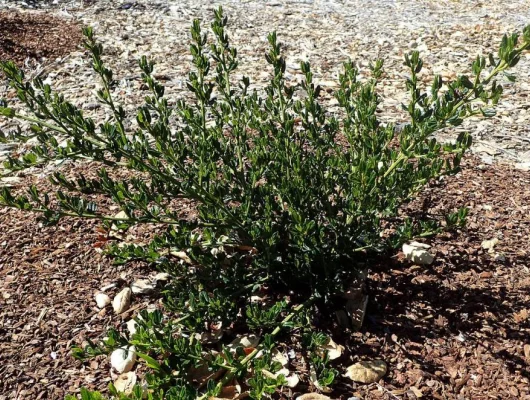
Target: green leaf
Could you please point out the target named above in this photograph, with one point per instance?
(7, 112)
(466, 82)
(150, 361)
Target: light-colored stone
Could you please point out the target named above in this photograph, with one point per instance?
(182, 255)
(114, 231)
(419, 245)
(122, 301)
(313, 396)
(102, 300)
(142, 286)
(489, 244)
(107, 287)
(123, 359)
(11, 179)
(280, 357)
(249, 341)
(292, 380)
(256, 299)
(131, 326)
(417, 253)
(125, 382)
(121, 215)
(333, 349)
(161, 277)
(366, 371)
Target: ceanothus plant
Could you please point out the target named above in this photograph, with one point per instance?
(288, 196)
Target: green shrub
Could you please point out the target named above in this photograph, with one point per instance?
(288, 197)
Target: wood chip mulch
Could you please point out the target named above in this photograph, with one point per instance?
(459, 329)
(25, 36)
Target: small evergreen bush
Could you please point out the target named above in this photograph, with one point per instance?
(289, 198)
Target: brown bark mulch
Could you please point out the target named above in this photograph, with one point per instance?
(459, 329)
(25, 36)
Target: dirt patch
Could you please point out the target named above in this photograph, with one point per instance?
(36, 36)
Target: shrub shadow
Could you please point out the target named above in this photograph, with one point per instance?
(432, 303)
